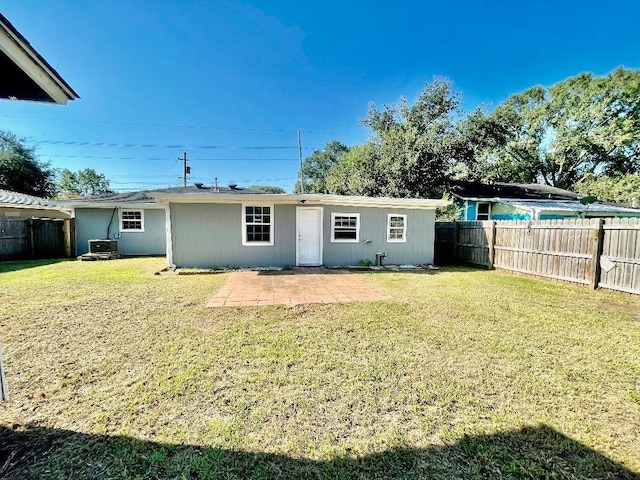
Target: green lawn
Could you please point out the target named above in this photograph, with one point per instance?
(116, 373)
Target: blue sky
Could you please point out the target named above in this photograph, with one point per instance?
(231, 82)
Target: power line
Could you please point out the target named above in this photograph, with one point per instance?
(161, 125)
(171, 147)
(255, 180)
(163, 159)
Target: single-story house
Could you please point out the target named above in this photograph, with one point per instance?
(136, 220)
(212, 227)
(514, 201)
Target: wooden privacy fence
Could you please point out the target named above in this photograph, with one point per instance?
(595, 252)
(35, 238)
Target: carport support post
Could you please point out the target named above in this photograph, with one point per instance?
(68, 237)
(598, 237)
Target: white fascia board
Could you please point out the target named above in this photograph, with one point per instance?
(23, 55)
(300, 199)
(66, 211)
(129, 205)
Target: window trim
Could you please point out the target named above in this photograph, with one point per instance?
(404, 228)
(333, 227)
(478, 211)
(131, 230)
(246, 243)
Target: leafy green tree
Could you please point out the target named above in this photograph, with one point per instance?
(621, 189)
(583, 125)
(267, 189)
(20, 169)
(479, 137)
(82, 183)
(316, 166)
(354, 174)
(410, 152)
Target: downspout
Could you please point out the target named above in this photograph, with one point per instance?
(110, 222)
(168, 233)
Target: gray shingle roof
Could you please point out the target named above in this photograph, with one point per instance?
(524, 191)
(14, 198)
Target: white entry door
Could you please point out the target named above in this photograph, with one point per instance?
(309, 236)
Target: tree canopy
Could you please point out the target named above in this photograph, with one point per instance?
(568, 135)
(267, 189)
(621, 189)
(82, 183)
(410, 150)
(582, 126)
(316, 166)
(20, 169)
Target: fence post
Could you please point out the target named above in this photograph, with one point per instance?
(598, 238)
(32, 237)
(456, 235)
(492, 244)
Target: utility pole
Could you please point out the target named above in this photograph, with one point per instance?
(300, 155)
(186, 169)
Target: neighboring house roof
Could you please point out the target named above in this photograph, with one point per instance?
(26, 75)
(22, 201)
(500, 190)
(570, 206)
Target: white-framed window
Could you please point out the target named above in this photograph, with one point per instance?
(396, 228)
(257, 224)
(345, 227)
(484, 211)
(132, 220)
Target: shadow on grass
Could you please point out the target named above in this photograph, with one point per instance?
(541, 452)
(15, 265)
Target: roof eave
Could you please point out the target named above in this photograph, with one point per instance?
(35, 207)
(18, 49)
(301, 199)
(144, 205)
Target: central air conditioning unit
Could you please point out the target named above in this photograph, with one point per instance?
(103, 246)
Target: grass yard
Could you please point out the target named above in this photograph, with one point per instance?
(116, 373)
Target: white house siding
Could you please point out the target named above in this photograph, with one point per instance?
(210, 235)
(92, 223)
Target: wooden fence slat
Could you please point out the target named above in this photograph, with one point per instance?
(567, 249)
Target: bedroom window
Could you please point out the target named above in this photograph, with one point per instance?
(345, 227)
(257, 225)
(396, 228)
(132, 220)
(484, 211)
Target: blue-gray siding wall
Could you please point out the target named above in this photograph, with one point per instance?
(373, 226)
(210, 235)
(92, 223)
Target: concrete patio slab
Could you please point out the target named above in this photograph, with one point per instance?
(294, 287)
